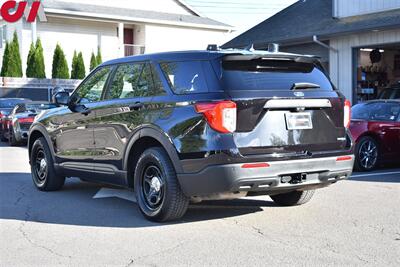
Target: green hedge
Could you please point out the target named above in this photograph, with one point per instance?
(60, 68)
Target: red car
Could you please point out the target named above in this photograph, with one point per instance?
(375, 127)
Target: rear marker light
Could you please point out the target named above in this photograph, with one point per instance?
(344, 158)
(221, 116)
(255, 165)
(26, 120)
(347, 113)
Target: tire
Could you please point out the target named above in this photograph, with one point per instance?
(157, 189)
(2, 137)
(366, 148)
(12, 140)
(43, 173)
(294, 198)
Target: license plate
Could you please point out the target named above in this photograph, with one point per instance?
(298, 121)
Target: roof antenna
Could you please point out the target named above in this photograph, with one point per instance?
(273, 48)
(250, 48)
(212, 47)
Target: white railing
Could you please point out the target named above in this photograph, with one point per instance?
(133, 49)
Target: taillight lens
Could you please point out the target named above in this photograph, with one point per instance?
(347, 113)
(221, 116)
(26, 120)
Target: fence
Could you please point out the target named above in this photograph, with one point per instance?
(32, 88)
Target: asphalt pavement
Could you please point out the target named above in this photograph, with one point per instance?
(352, 223)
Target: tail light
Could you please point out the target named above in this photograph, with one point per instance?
(26, 120)
(347, 113)
(221, 116)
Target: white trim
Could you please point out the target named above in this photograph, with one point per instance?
(298, 103)
(115, 18)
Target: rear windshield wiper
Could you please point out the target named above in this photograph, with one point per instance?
(304, 86)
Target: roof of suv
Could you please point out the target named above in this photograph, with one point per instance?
(205, 55)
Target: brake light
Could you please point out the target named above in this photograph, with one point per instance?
(26, 120)
(221, 116)
(347, 113)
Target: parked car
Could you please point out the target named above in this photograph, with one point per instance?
(21, 119)
(392, 92)
(375, 127)
(6, 106)
(202, 125)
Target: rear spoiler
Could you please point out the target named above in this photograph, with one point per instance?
(272, 56)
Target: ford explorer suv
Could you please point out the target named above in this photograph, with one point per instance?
(182, 127)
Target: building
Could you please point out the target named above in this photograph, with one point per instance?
(346, 34)
(119, 28)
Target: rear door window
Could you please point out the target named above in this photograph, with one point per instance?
(185, 77)
(134, 80)
(260, 74)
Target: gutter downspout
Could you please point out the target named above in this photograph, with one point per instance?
(315, 40)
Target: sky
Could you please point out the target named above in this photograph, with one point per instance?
(241, 14)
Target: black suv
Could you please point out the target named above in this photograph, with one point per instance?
(200, 125)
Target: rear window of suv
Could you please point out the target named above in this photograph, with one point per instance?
(273, 74)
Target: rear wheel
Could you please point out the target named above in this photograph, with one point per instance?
(11, 138)
(157, 189)
(42, 167)
(367, 154)
(293, 198)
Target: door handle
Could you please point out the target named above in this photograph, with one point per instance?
(137, 106)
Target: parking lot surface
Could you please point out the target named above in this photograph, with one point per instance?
(354, 222)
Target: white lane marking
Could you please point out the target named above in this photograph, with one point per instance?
(119, 193)
(373, 174)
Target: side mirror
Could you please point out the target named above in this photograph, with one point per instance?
(61, 98)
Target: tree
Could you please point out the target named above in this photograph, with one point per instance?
(99, 59)
(93, 62)
(4, 66)
(81, 72)
(60, 66)
(12, 63)
(30, 63)
(78, 66)
(73, 66)
(40, 71)
(35, 62)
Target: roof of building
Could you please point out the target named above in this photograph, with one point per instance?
(300, 21)
(131, 15)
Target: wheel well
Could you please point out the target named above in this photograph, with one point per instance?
(32, 138)
(137, 149)
(369, 134)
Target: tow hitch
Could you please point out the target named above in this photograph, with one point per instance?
(296, 178)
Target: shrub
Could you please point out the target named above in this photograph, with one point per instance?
(40, 71)
(12, 64)
(93, 62)
(60, 66)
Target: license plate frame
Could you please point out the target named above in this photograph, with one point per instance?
(298, 121)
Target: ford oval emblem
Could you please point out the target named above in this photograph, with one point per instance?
(299, 94)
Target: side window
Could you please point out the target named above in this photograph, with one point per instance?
(384, 111)
(134, 80)
(91, 89)
(185, 77)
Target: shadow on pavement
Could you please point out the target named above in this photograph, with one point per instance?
(74, 205)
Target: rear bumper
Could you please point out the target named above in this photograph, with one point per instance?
(319, 172)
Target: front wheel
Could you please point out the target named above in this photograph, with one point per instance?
(293, 198)
(44, 175)
(157, 189)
